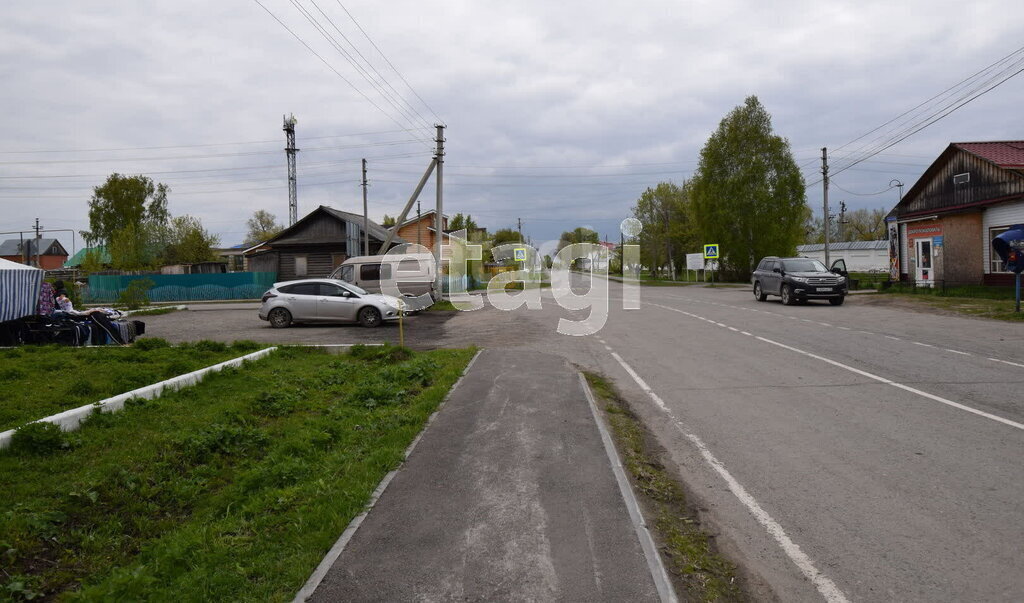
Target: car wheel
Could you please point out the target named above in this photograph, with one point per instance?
(279, 318)
(369, 317)
(759, 294)
(836, 301)
(787, 296)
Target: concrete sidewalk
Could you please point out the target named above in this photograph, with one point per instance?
(509, 495)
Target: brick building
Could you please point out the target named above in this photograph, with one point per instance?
(52, 254)
(942, 230)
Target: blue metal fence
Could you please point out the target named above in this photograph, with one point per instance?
(183, 287)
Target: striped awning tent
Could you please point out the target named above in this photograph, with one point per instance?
(19, 289)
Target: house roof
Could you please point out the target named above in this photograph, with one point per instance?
(844, 246)
(12, 247)
(1006, 154)
(422, 215)
(78, 258)
(375, 230)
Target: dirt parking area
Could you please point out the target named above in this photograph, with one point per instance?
(427, 330)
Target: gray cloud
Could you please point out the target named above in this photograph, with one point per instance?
(627, 92)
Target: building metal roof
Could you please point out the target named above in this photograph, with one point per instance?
(1006, 154)
(12, 247)
(843, 246)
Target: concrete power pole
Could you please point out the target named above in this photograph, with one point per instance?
(824, 184)
(439, 218)
(39, 241)
(290, 150)
(519, 222)
(366, 216)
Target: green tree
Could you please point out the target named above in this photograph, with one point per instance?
(388, 221)
(505, 235)
(865, 225)
(668, 231)
(127, 214)
(747, 192)
(262, 226)
(578, 235)
(459, 221)
(188, 242)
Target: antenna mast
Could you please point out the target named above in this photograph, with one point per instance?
(290, 150)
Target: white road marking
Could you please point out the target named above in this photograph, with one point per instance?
(824, 324)
(1006, 362)
(747, 334)
(958, 352)
(893, 338)
(845, 328)
(963, 407)
(926, 345)
(825, 586)
(925, 394)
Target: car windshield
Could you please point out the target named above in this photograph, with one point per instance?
(804, 265)
(354, 288)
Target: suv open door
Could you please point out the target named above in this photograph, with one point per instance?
(839, 267)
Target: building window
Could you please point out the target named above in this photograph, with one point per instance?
(995, 262)
(300, 265)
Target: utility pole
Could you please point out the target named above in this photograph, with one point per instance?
(824, 184)
(439, 218)
(842, 221)
(520, 228)
(290, 150)
(419, 224)
(39, 240)
(366, 216)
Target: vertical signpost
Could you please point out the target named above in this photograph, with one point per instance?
(711, 253)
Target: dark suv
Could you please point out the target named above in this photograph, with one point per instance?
(800, 279)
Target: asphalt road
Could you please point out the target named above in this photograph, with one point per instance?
(860, 452)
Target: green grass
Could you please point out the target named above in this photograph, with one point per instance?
(689, 555)
(980, 301)
(232, 490)
(39, 381)
(443, 305)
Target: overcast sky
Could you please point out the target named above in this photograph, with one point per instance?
(559, 113)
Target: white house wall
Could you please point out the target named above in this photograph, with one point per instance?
(857, 260)
(1005, 214)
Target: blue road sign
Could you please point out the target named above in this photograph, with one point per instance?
(711, 251)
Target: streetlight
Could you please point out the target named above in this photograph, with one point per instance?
(898, 185)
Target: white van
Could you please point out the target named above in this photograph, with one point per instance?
(414, 272)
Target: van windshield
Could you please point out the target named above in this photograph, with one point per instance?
(355, 289)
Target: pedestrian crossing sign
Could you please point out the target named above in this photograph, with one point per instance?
(520, 254)
(711, 251)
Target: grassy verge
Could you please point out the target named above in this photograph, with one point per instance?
(996, 309)
(231, 490)
(700, 573)
(39, 381)
(443, 305)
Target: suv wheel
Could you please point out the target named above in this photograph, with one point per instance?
(279, 318)
(787, 296)
(759, 294)
(369, 317)
(836, 301)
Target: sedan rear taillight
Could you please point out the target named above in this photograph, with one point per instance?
(267, 295)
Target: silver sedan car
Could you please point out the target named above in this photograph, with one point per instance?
(326, 300)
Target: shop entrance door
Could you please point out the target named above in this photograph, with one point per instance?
(924, 263)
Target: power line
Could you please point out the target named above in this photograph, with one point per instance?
(348, 57)
(832, 182)
(390, 64)
(329, 66)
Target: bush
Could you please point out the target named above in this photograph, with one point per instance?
(39, 438)
(151, 343)
(134, 295)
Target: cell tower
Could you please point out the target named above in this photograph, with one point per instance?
(290, 150)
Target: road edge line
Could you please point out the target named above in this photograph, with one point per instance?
(325, 565)
(658, 572)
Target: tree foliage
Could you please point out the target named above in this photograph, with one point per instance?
(188, 242)
(505, 235)
(578, 235)
(668, 231)
(262, 226)
(747, 192)
(128, 214)
(388, 221)
(459, 222)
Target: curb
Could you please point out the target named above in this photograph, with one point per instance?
(658, 572)
(335, 551)
(69, 420)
